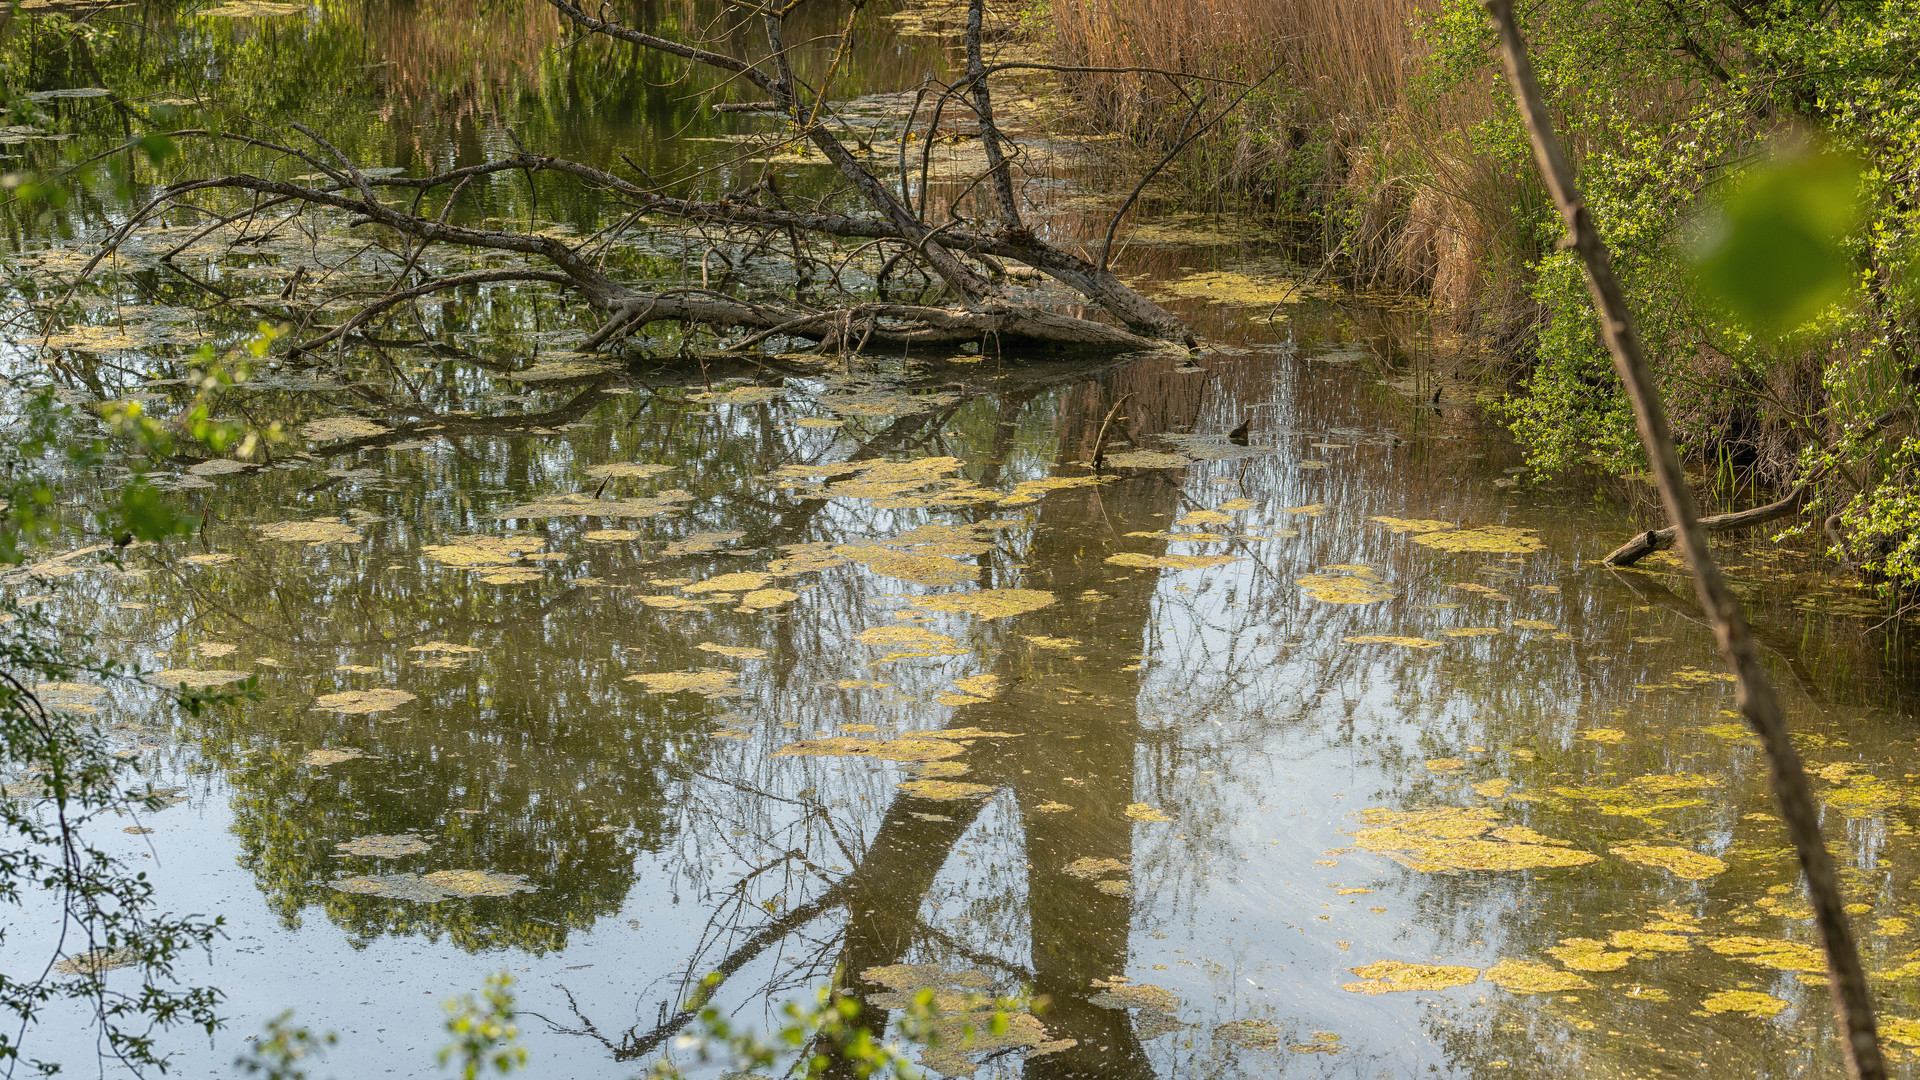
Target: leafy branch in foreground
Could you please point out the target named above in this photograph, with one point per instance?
(815, 1038)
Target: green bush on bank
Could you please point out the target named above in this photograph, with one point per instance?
(1406, 151)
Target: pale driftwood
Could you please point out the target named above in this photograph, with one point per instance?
(1847, 979)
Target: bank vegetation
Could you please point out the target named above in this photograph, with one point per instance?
(1386, 133)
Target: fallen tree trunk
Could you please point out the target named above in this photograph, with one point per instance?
(1661, 539)
(964, 255)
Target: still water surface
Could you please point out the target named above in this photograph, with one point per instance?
(551, 666)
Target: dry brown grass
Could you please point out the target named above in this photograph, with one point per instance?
(1336, 133)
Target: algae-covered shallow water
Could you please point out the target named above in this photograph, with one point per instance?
(1332, 752)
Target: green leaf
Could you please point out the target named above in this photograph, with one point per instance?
(1775, 251)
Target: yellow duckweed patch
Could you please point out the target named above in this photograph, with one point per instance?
(989, 603)
(1863, 795)
(1491, 539)
(97, 961)
(968, 1022)
(762, 599)
(1145, 812)
(1381, 639)
(360, 702)
(700, 542)
(1534, 624)
(738, 395)
(984, 686)
(384, 847)
(447, 647)
(1249, 1034)
(861, 684)
(1412, 525)
(1141, 561)
(1771, 952)
(1052, 808)
(1121, 992)
(944, 790)
(906, 566)
(1324, 1042)
(1061, 643)
(1090, 868)
(1648, 941)
(1492, 789)
(627, 470)
(735, 652)
(1731, 732)
(1448, 839)
(1445, 764)
(1479, 589)
(960, 733)
(1345, 585)
(1643, 797)
(1032, 491)
(465, 551)
(340, 427)
(1587, 954)
(1204, 517)
(1748, 1002)
(1471, 631)
(1181, 537)
(904, 749)
(435, 887)
(1534, 977)
(1146, 459)
(196, 680)
(729, 583)
(1230, 287)
(1520, 834)
(1395, 976)
(1900, 1030)
(909, 642)
(1604, 735)
(311, 532)
(577, 505)
(710, 684)
(674, 603)
(1678, 861)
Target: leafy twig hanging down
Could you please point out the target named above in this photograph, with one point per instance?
(1852, 1000)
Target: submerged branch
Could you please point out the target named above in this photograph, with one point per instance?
(1654, 540)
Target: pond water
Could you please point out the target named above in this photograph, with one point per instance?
(1326, 751)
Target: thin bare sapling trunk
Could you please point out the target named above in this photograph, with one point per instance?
(1847, 980)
